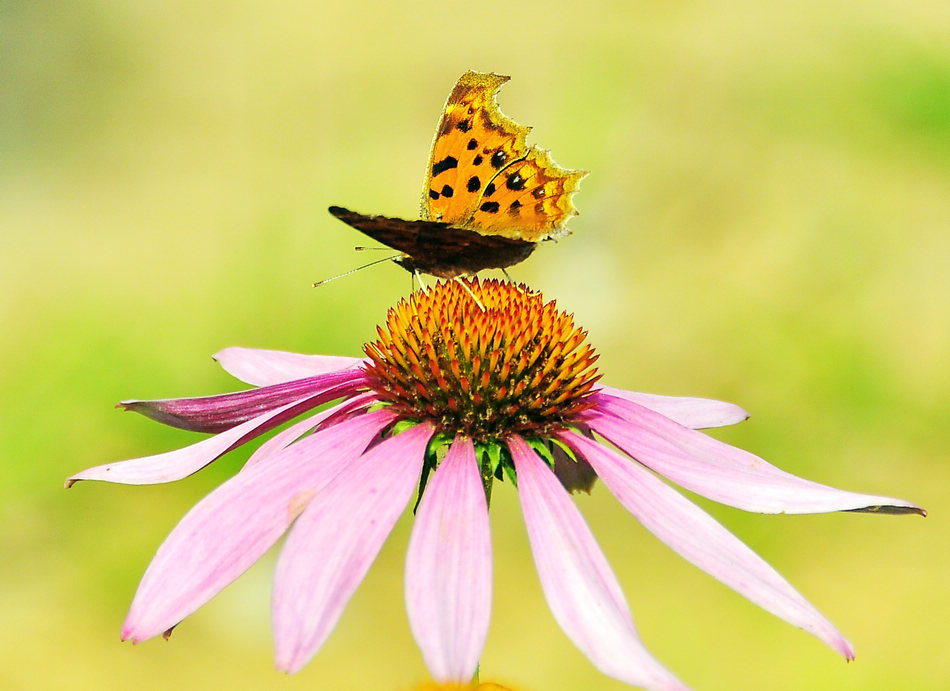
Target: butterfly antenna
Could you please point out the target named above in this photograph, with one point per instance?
(353, 271)
(469, 291)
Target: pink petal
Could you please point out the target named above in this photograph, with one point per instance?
(449, 568)
(263, 367)
(218, 413)
(719, 471)
(695, 413)
(701, 540)
(174, 465)
(285, 438)
(336, 539)
(232, 527)
(580, 587)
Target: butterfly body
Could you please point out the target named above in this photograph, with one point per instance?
(488, 198)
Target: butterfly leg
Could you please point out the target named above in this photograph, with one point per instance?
(468, 290)
(510, 279)
(416, 276)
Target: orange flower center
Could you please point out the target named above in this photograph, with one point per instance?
(487, 359)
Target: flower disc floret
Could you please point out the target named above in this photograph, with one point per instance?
(487, 359)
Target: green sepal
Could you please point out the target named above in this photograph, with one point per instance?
(435, 452)
(494, 457)
(543, 450)
(438, 441)
(499, 472)
(485, 469)
(509, 469)
(565, 448)
(492, 450)
(403, 425)
(427, 469)
(505, 465)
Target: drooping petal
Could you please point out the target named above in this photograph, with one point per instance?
(174, 465)
(579, 586)
(449, 568)
(689, 411)
(232, 527)
(719, 471)
(336, 539)
(700, 539)
(262, 367)
(285, 438)
(222, 412)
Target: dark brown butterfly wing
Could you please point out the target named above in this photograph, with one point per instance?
(438, 248)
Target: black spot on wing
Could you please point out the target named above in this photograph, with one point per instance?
(473, 184)
(489, 207)
(447, 191)
(472, 144)
(515, 182)
(433, 194)
(444, 165)
(498, 159)
(489, 189)
(477, 161)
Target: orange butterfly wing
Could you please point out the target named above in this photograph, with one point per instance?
(483, 177)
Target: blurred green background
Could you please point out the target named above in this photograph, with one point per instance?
(767, 221)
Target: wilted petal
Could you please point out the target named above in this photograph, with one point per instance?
(222, 412)
(174, 465)
(579, 586)
(449, 568)
(689, 411)
(573, 471)
(700, 539)
(232, 527)
(719, 471)
(336, 539)
(261, 367)
(286, 437)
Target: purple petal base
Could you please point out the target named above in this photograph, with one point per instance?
(215, 414)
(180, 463)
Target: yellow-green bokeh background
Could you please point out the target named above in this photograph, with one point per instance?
(767, 221)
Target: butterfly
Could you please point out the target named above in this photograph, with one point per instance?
(488, 198)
